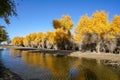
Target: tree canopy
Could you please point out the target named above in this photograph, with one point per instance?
(7, 8)
(3, 34)
(64, 23)
(93, 32)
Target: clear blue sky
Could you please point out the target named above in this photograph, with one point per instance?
(37, 15)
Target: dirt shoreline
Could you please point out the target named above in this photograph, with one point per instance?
(97, 56)
(93, 55)
(6, 74)
(109, 59)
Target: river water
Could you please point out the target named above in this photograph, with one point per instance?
(37, 66)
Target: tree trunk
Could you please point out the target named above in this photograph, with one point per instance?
(43, 44)
(98, 47)
(55, 47)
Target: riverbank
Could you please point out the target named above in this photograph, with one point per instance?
(92, 55)
(6, 74)
(109, 59)
(97, 56)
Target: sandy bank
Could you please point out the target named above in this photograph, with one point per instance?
(99, 56)
(92, 55)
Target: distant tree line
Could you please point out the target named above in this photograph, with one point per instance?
(92, 33)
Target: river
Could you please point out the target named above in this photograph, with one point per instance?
(37, 66)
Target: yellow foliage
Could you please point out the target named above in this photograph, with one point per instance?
(84, 25)
(18, 41)
(77, 38)
(38, 38)
(115, 25)
(30, 39)
(57, 24)
(60, 35)
(50, 37)
(25, 42)
(96, 24)
(100, 22)
(66, 22)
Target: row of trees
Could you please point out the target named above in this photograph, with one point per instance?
(91, 33)
(97, 33)
(58, 39)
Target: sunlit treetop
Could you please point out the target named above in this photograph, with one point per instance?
(100, 22)
(66, 22)
(115, 25)
(96, 24)
(84, 25)
(101, 17)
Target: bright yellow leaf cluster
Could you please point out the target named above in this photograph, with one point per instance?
(51, 37)
(64, 23)
(38, 38)
(18, 41)
(98, 24)
(60, 36)
(115, 25)
(30, 39)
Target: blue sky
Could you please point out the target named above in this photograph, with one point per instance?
(37, 15)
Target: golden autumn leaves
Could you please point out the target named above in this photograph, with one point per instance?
(64, 23)
(99, 26)
(96, 25)
(18, 41)
(42, 40)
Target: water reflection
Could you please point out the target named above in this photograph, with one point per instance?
(15, 53)
(59, 66)
(67, 68)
